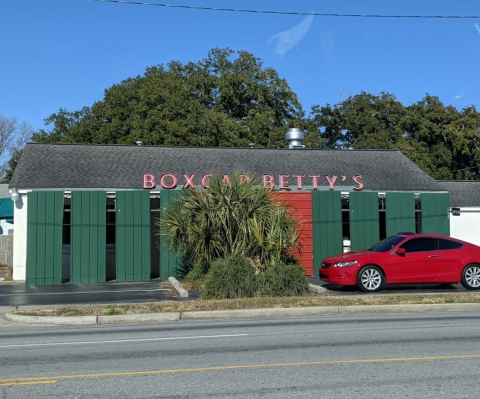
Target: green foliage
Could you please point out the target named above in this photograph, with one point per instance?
(282, 280)
(226, 99)
(236, 277)
(228, 218)
(233, 277)
(11, 165)
(441, 140)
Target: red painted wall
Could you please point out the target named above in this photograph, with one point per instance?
(301, 203)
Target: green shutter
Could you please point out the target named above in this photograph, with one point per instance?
(364, 220)
(400, 212)
(169, 260)
(435, 211)
(44, 237)
(88, 243)
(327, 225)
(132, 220)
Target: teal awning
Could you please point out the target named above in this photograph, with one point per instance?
(6, 209)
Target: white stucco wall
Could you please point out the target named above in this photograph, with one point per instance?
(20, 238)
(466, 227)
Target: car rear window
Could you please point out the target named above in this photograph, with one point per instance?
(449, 244)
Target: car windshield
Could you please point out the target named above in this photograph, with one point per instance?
(386, 244)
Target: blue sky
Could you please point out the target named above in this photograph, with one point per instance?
(65, 53)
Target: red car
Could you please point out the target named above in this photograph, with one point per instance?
(406, 258)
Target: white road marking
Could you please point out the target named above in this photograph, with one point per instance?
(121, 341)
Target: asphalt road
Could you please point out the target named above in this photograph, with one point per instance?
(425, 356)
(19, 294)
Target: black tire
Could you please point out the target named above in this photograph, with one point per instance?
(471, 276)
(370, 279)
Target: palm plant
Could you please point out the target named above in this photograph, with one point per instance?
(241, 217)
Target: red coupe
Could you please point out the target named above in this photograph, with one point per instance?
(406, 258)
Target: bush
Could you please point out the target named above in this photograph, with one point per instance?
(232, 277)
(235, 277)
(283, 280)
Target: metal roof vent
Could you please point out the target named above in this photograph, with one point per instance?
(295, 138)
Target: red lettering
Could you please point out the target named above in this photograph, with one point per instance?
(204, 180)
(189, 180)
(226, 180)
(246, 177)
(299, 181)
(148, 180)
(315, 180)
(173, 184)
(357, 180)
(268, 181)
(331, 181)
(344, 177)
(284, 182)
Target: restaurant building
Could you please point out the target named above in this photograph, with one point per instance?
(86, 213)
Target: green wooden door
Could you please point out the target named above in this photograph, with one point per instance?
(44, 237)
(327, 225)
(435, 212)
(169, 260)
(364, 220)
(133, 262)
(400, 213)
(88, 242)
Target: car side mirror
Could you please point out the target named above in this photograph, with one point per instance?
(400, 251)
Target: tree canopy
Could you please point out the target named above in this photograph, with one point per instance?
(229, 99)
(226, 99)
(440, 139)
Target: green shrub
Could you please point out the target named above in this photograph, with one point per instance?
(232, 277)
(282, 280)
(235, 277)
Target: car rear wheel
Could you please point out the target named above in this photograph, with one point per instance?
(370, 279)
(471, 277)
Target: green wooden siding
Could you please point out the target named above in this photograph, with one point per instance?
(44, 237)
(88, 231)
(169, 260)
(132, 209)
(400, 213)
(327, 225)
(364, 220)
(435, 210)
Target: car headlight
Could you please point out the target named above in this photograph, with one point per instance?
(345, 263)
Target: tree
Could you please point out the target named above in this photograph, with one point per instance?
(239, 217)
(226, 99)
(13, 136)
(441, 140)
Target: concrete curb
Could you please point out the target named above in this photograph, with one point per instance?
(316, 289)
(239, 314)
(139, 318)
(182, 293)
(53, 320)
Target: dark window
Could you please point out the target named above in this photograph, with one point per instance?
(419, 245)
(345, 219)
(111, 221)
(448, 244)
(386, 244)
(382, 218)
(418, 216)
(66, 224)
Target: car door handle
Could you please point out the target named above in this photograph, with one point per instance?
(432, 256)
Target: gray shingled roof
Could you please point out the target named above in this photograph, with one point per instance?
(462, 192)
(75, 166)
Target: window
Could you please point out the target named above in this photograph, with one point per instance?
(111, 221)
(444, 244)
(418, 216)
(419, 245)
(345, 219)
(66, 222)
(382, 217)
(386, 244)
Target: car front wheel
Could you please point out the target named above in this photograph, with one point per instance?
(471, 277)
(370, 279)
